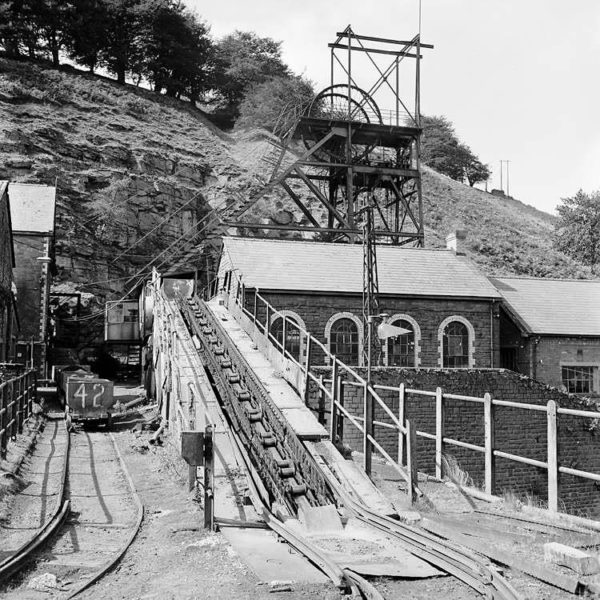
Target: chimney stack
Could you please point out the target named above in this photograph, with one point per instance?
(455, 241)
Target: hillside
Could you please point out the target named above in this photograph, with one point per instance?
(504, 236)
(135, 172)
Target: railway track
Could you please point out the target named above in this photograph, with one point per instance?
(286, 471)
(96, 509)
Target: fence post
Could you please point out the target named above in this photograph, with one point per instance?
(13, 409)
(267, 322)
(21, 403)
(2, 421)
(402, 419)
(411, 461)
(307, 367)
(283, 336)
(552, 458)
(254, 313)
(208, 479)
(321, 402)
(439, 432)
(489, 434)
(333, 415)
(340, 398)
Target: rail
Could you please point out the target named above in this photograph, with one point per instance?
(257, 323)
(16, 402)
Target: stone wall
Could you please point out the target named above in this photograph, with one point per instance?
(518, 431)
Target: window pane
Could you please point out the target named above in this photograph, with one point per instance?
(456, 345)
(401, 349)
(578, 379)
(344, 341)
(292, 335)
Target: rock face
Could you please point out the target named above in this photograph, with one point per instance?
(137, 174)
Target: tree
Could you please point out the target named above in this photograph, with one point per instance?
(87, 32)
(577, 232)
(242, 60)
(175, 49)
(19, 27)
(120, 52)
(474, 171)
(442, 150)
(275, 102)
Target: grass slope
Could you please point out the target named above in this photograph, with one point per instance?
(504, 236)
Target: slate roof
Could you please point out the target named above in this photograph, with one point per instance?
(553, 306)
(32, 207)
(325, 267)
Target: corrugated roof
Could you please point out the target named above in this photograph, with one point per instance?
(32, 207)
(554, 306)
(325, 267)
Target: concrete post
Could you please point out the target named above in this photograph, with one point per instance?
(439, 432)
(489, 433)
(402, 419)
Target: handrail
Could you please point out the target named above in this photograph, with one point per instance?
(344, 375)
(236, 294)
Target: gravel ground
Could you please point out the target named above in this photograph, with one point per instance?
(173, 557)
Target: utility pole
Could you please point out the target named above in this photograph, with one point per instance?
(505, 162)
(370, 312)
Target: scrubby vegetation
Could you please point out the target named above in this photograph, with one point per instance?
(578, 228)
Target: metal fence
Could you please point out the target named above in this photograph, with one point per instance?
(16, 402)
(297, 371)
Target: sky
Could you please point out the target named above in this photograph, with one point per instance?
(519, 79)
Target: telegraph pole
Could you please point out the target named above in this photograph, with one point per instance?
(507, 163)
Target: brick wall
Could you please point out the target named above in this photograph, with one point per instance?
(5, 277)
(5, 247)
(553, 352)
(316, 310)
(517, 431)
(542, 357)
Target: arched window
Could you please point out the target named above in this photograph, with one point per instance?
(344, 341)
(455, 345)
(293, 337)
(401, 349)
